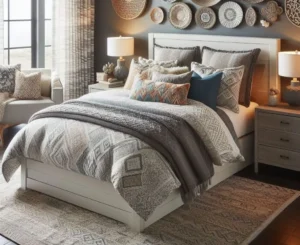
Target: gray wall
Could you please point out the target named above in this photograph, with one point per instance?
(109, 24)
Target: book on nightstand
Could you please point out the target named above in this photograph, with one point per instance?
(115, 84)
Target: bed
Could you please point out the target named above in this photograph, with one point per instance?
(84, 191)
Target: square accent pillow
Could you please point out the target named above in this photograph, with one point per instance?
(147, 75)
(160, 92)
(28, 87)
(8, 77)
(185, 56)
(206, 89)
(225, 59)
(137, 68)
(228, 96)
(172, 78)
(150, 62)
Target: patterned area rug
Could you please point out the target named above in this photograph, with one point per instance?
(227, 214)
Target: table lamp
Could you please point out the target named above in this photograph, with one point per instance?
(120, 47)
(289, 66)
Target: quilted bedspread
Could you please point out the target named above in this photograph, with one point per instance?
(145, 149)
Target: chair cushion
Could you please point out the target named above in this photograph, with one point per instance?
(8, 77)
(20, 111)
(45, 80)
(28, 86)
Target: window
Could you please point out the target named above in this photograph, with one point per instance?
(27, 32)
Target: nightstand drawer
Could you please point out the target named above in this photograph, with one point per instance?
(279, 122)
(278, 157)
(289, 141)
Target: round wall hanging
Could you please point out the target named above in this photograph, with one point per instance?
(205, 18)
(271, 11)
(292, 11)
(231, 14)
(254, 1)
(129, 9)
(180, 15)
(157, 15)
(206, 3)
(251, 16)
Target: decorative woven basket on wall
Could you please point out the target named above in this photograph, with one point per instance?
(129, 9)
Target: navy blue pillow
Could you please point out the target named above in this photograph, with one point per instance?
(206, 89)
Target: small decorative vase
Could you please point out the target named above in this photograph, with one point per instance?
(273, 100)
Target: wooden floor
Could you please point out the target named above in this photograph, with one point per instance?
(284, 230)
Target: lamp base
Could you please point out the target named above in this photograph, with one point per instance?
(291, 94)
(121, 71)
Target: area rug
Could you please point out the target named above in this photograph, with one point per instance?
(233, 212)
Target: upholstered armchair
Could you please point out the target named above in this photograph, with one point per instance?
(20, 111)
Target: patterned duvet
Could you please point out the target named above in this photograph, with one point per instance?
(146, 150)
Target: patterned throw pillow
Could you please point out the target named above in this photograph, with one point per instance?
(150, 62)
(221, 59)
(147, 75)
(160, 92)
(8, 78)
(228, 96)
(172, 78)
(28, 87)
(142, 66)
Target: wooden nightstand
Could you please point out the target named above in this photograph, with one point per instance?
(98, 87)
(277, 137)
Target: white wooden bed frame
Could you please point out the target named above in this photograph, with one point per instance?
(101, 197)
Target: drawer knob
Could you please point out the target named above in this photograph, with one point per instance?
(284, 123)
(284, 140)
(284, 157)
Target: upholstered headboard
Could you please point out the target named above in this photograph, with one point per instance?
(266, 73)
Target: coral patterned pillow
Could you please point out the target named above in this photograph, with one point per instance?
(160, 92)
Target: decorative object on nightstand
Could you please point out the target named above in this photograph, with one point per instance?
(108, 69)
(273, 97)
(277, 137)
(289, 67)
(119, 47)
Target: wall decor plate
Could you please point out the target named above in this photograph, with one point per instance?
(292, 11)
(180, 15)
(129, 9)
(271, 11)
(231, 14)
(205, 18)
(253, 1)
(206, 3)
(157, 15)
(250, 16)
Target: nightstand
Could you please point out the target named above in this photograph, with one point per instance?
(99, 87)
(277, 137)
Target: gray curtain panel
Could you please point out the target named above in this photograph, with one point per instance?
(73, 45)
(1, 32)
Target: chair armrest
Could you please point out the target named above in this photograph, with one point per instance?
(57, 91)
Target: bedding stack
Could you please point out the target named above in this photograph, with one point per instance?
(166, 131)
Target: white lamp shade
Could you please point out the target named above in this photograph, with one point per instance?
(120, 46)
(289, 64)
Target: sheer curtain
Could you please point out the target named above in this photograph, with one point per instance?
(73, 45)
